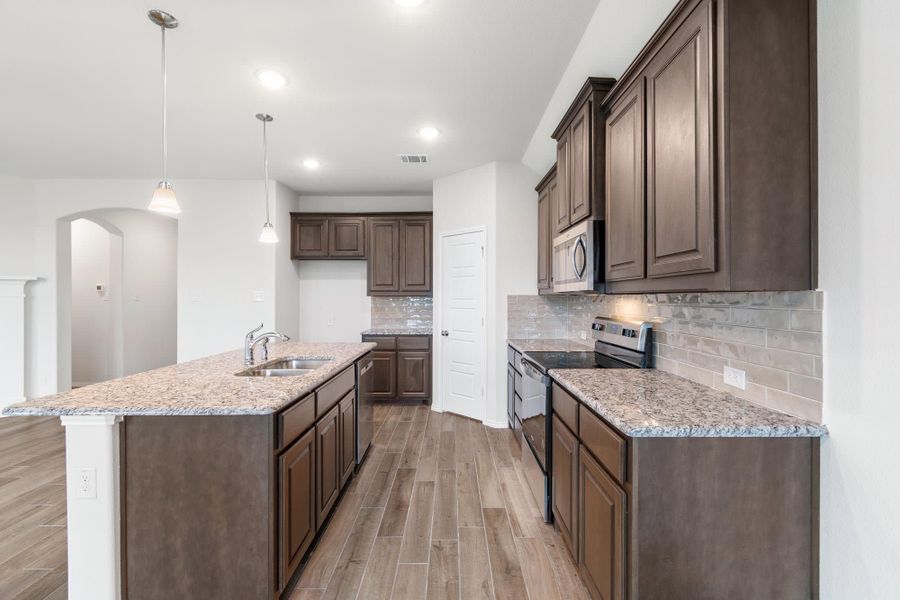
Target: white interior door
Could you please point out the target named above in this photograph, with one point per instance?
(462, 301)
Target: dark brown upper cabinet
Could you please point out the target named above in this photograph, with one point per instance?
(317, 236)
(309, 237)
(580, 149)
(625, 187)
(726, 136)
(415, 255)
(347, 237)
(384, 256)
(547, 190)
(400, 255)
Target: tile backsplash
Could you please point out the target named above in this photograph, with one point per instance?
(774, 337)
(401, 312)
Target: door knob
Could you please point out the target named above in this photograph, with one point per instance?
(445, 333)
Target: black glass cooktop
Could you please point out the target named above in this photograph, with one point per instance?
(574, 360)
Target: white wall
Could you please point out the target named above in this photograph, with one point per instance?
(16, 226)
(859, 188)
(95, 355)
(333, 301)
(614, 36)
(287, 280)
(220, 265)
(501, 197)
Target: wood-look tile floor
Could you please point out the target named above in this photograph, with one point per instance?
(440, 509)
(32, 509)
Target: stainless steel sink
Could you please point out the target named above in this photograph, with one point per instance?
(285, 367)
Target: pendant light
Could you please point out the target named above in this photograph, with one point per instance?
(268, 235)
(164, 200)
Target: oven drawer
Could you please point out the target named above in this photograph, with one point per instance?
(565, 407)
(605, 444)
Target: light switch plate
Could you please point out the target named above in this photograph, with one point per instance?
(735, 378)
(259, 296)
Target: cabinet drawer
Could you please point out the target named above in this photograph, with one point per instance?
(413, 342)
(329, 394)
(565, 407)
(382, 342)
(295, 420)
(606, 445)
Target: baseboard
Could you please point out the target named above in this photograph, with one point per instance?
(496, 424)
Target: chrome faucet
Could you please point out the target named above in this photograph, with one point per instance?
(251, 342)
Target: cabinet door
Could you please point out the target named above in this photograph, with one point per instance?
(565, 484)
(297, 504)
(347, 237)
(625, 186)
(601, 530)
(309, 237)
(680, 192)
(415, 256)
(414, 374)
(328, 463)
(347, 423)
(561, 219)
(384, 256)
(384, 374)
(545, 235)
(579, 184)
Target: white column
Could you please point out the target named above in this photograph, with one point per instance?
(92, 505)
(12, 339)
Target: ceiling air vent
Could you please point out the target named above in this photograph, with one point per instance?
(414, 159)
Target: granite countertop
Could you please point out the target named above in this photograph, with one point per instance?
(652, 403)
(400, 331)
(207, 386)
(551, 345)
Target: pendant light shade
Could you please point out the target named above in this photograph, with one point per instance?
(268, 235)
(164, 200)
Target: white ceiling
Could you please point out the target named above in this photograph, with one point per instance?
(80, 88)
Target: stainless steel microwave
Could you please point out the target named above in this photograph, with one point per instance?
(578, 264)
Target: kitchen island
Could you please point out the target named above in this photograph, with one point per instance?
(199, 480)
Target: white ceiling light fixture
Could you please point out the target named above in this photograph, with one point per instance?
(271, 78)
(409, 3)
(429, 133)
(312, 164)
(268, 235)
(164, 200)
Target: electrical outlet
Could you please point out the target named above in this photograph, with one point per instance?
(735, 378)
(87, 483)
(583, 335)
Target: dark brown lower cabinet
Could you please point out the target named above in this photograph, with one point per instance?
(601, 533)
(297, 505)
(328, 463)
(384, 380)
(685, 517)
(347, 424)
(565, 482)
(414, 374)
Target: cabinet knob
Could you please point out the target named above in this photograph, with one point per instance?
(445, 333)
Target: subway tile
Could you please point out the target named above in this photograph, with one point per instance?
(806, 320)
(761, 317)
(706, 361)
(808, 387)
(792, 404)
(672, 353)
(723, 348)
(794, 362)
(765, 376)
(797, 341)
(754, 393)
(665, 364)
(696, 374)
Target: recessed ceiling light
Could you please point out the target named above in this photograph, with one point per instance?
(311, 163)
(271, 79)
(429, 133)
(408, 2)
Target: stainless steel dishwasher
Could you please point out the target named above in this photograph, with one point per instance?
(365, 423)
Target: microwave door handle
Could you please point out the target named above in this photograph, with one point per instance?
(579, 242)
